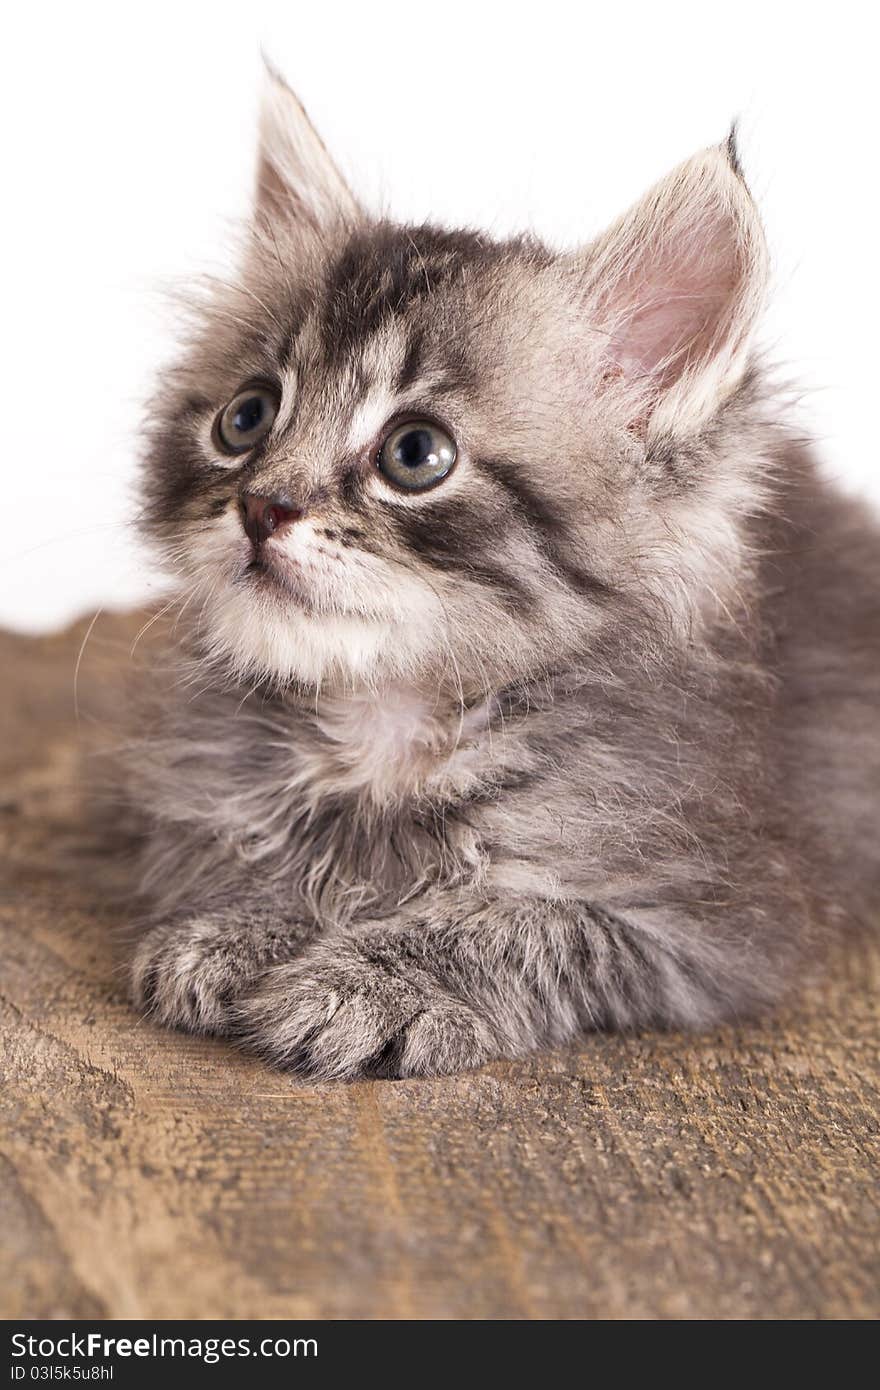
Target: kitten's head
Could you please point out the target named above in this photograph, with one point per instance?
(399, 452)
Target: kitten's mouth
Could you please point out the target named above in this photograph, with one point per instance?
(268, 578)
(310, 584)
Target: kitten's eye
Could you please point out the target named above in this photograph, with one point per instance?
(246, 419)
(417, 455)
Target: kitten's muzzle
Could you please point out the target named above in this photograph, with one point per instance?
(262, 516)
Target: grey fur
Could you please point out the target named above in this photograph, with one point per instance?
(588, 736)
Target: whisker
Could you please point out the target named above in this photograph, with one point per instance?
(79, 658)
(160, 613)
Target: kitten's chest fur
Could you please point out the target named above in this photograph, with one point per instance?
(346, 805)
(397, 746)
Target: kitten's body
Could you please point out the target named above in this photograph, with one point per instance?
(587, 736)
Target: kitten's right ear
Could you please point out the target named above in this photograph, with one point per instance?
(298, 183)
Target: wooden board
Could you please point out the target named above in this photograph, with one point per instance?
(147, 1174)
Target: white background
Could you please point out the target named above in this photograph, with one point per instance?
(127, 157)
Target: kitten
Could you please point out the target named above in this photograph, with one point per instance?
(536, 670)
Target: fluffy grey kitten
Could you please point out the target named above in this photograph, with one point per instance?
(530, 672)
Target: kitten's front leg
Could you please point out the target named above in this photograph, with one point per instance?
(189, 972)
(452, 987)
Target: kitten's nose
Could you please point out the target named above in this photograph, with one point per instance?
(262, 516)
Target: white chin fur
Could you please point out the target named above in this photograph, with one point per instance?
(263, 640)
(392, 624)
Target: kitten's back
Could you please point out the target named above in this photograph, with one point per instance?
(825, 614)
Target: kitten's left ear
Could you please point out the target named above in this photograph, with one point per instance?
(674, 289)
(297, 181)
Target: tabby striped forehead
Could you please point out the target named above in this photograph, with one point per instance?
(380, 334)
(391, 275)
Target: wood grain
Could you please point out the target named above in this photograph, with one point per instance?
(146, 1174)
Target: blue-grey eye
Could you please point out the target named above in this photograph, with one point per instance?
(416, 455)
(246, 419)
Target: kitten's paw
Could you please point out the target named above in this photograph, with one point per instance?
(340, 1012)
(188, 974)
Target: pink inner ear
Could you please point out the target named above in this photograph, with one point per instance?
(675, 301)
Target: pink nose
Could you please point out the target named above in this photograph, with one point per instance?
(262, 516)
